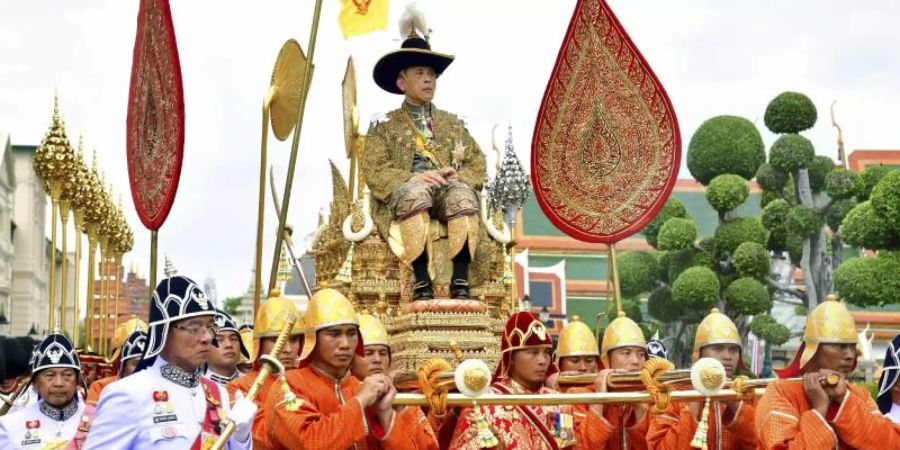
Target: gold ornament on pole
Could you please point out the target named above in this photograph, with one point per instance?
(107, 236)
(124, 244)
(281, 103)
(93, 215)
(81, 201)
(53, 160)
(292, 162)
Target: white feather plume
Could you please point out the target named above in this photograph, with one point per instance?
(413, 20)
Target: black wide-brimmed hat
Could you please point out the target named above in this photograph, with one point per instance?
(55, 351)
(889, 375)
(414, 52)
(133, 348)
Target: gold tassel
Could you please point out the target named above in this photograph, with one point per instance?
(486, 438)
(702, 434)
(290, 401)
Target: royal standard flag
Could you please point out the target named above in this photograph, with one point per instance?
(362, 16)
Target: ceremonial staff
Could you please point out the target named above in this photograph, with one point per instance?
(282, 102)
(53, 162)
(155, 123)
(270, 365)
(604, 164)
(292, 163)
(93, 215)
(80, 202)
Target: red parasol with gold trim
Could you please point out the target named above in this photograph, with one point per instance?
(603, 164)
(155, 123)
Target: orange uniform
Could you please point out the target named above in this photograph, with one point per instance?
(674, 429)
(785, 421)
(96, 388)
(328, 416)
(517, 428)
(259, 432)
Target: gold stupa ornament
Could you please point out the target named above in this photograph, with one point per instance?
(577, 339)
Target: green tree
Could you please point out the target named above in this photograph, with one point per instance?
(805, 194)
(231, 305)
(875, 225)
(729, 270)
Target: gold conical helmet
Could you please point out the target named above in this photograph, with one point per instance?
(271, 317)
(327, 308)
(621, 332)
(716, 328)
(126, 328)
(372, 330)
(828, 323)
(576, 339)
(246, 332)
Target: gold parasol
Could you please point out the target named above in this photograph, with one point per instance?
(282, 102)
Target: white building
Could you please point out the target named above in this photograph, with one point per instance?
(31, 263)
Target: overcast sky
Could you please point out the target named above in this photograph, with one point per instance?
(713, 57)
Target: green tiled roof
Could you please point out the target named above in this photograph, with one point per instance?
(706, 218)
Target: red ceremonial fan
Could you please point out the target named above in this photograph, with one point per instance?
(155, 134)
(606, 147)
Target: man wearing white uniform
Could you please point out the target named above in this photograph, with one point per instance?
(166, 404)
(59, 419)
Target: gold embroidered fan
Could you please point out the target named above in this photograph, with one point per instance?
(603, 164)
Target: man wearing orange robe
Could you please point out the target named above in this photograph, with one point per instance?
(823, 411)
(270, 320)
(526, 358)
(717, 337)
(326, 407)
(376, 359)
(129, 343)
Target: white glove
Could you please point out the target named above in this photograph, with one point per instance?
(242, 414)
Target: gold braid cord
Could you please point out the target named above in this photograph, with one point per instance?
(653, 368)
(745, 392)
(428, 379)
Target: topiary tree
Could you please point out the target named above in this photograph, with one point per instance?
(875, 225)
(725, 144)
(727, 270)
(794, 180)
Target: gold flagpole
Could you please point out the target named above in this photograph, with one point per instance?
(617, 294)
(292, 164)
(64, 219)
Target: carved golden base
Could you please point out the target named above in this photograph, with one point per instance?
(418, 336)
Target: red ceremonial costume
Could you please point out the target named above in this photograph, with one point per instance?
(528, 427)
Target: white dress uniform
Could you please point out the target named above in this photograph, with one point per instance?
(40, 425)
(129, 417)
(162, 406)
(28, 398)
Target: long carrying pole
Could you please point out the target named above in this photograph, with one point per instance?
(64, 219)
(55, 189)
(292, 164)
(116, 300)
(76, 324)
(268, 366)
(594, 398)
(617, 293)
(92, 265)
(261, 207)
(154, 252)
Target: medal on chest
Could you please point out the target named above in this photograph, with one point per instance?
(32, 432)
(163, 409)
(562, 427)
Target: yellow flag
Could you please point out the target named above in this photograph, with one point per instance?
(362, 16)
